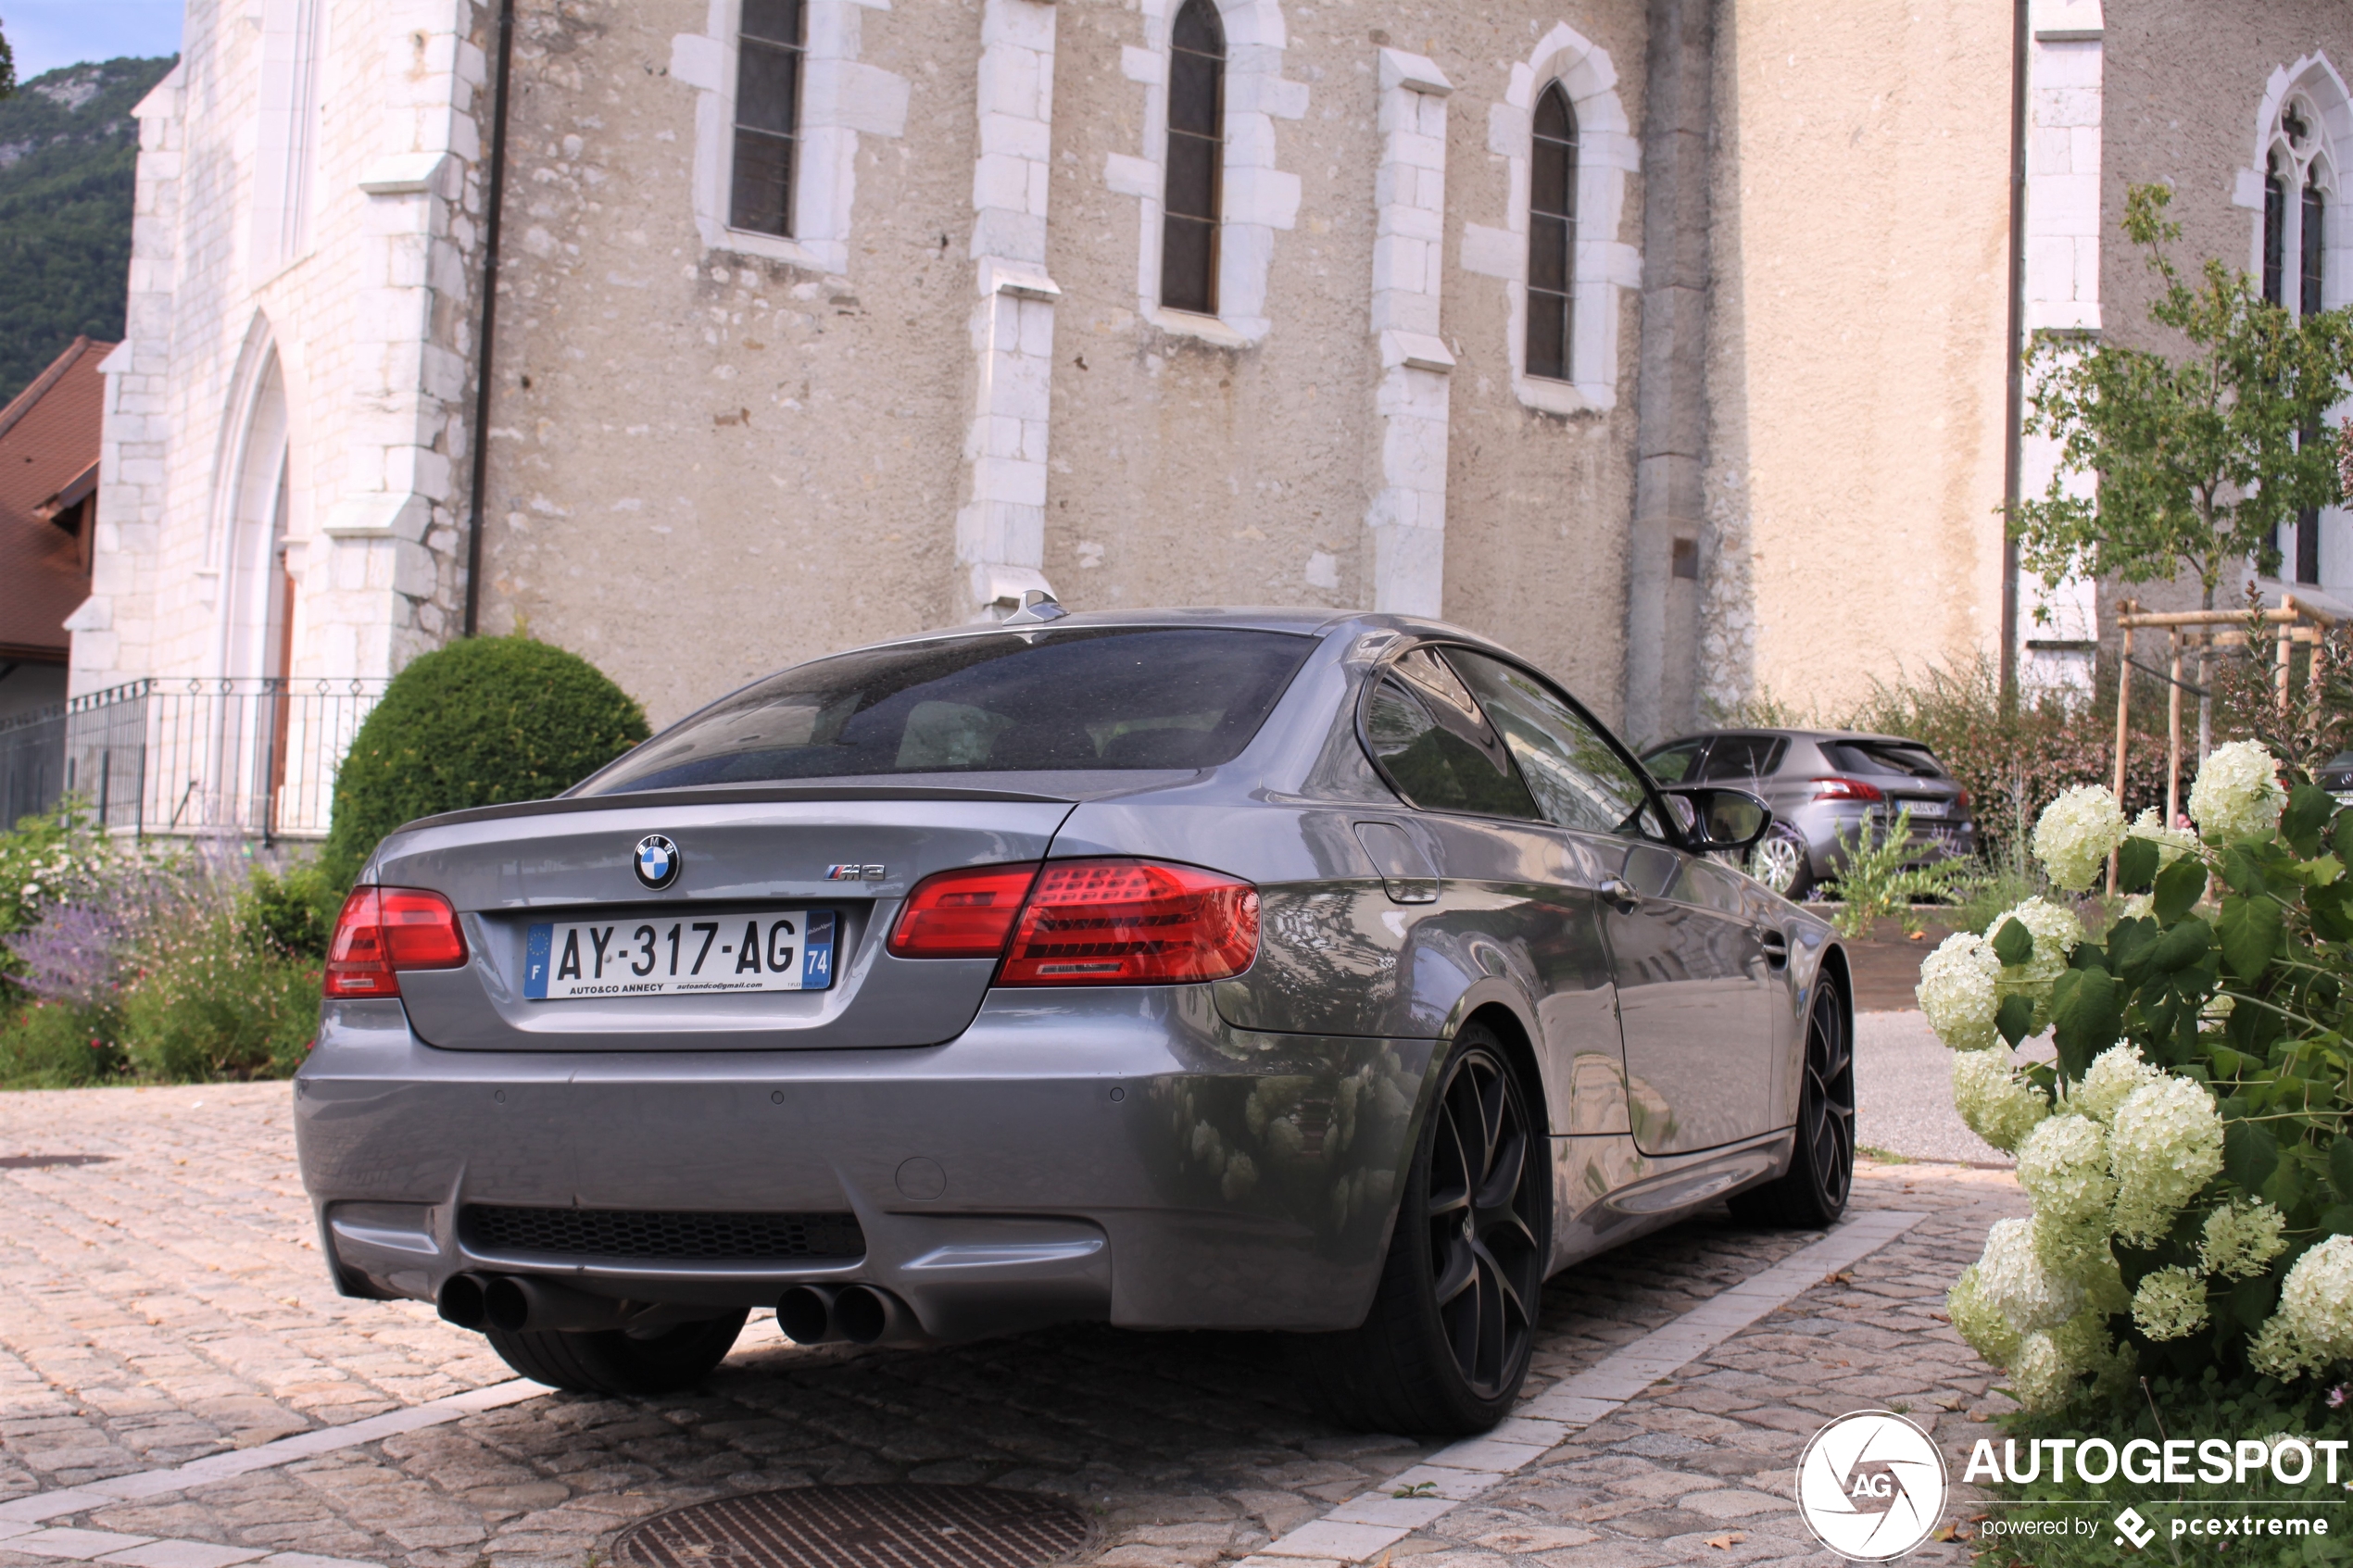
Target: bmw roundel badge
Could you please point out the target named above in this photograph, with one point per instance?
(657, 862)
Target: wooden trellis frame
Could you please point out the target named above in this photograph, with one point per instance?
(2187, 631)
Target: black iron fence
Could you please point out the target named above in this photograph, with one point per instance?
(165, 755)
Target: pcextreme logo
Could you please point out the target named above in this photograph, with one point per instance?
(1872, 1486)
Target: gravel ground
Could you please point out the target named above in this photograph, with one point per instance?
(1904, 1092)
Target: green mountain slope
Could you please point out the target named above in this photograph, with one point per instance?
(68, 152)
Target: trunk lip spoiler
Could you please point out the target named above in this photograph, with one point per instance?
(726, 794)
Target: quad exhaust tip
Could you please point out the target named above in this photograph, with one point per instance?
(824, 1314)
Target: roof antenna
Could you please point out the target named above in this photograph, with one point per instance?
(1037, 605)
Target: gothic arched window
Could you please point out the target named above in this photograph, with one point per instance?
(1551, 234)
(2275, 233)
(1196, 151)
(768, 49)
(2309, 264)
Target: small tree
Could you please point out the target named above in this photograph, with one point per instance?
(2200, 457)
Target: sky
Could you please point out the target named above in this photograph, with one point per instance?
(48, 34)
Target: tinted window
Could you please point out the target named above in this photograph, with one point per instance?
(1435, 745)
(1011, 701)
(1578, 779)
(1901, 759)
(1676, 764)
(1743, 757)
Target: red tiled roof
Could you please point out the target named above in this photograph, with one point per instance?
(48, 446)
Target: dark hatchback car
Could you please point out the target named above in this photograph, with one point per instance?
(1824, 786)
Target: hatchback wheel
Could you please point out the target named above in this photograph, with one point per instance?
(617, 1361)
(1446, 1345)
(1779, 862)
(1812, 1194)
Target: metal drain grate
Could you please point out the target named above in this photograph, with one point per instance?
(875, 1526)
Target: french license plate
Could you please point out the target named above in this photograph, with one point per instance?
(671, 954)
(1924, 810)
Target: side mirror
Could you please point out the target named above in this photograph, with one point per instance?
(1721, 820)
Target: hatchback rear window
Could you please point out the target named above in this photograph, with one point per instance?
(1890, 758)
(1088, 698)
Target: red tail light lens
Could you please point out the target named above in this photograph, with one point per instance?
(1961, 802)
(961, 914)
(1131, 922)
(385, 929)
(1846, 789)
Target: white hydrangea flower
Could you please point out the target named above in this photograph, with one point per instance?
(2012, 1280)
(2171, 843)
(2056, 931)
(2075, 834)
(1998, 1105)
(2114, 1074)
(2138, 906)
(2164, 1144)
(2063, 1166)
(2276, 1351)
(2237, 793)
(2039, 1378)
(2170, 1304)
(2317, 1299)
(2242, 1239)
(1979, 1322)
(1957, 992)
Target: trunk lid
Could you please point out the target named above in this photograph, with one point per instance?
(853, 852)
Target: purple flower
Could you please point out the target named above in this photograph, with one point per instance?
(2337, 1397)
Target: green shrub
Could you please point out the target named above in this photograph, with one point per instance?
(295, 910)
(480, 722)
(48, 1044)
(214, 1000)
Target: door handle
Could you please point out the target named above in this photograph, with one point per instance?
(1776, 948)
(1620, 893)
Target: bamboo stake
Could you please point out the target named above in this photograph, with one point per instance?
(2172, 735)
(2279, 667)
(2123, 712)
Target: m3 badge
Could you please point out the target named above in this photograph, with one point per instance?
(856, 874)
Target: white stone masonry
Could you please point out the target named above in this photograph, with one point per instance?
(1001, 527)
(1408, 517)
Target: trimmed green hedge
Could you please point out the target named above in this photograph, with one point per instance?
(481, 722)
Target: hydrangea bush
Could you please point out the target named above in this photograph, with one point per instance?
(2187, 1152)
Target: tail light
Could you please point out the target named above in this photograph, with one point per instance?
(1961, 802)
(1131, 922)
(961, 914)
(385, 929)
(1846, 789)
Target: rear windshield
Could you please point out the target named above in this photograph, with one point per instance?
(1896, 758)
(1089, 698)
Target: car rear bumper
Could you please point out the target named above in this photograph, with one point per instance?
(1119, 1154)
(1832, 829)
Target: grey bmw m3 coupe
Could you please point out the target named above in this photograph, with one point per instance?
(1282, 970)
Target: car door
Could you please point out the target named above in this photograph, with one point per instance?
(1695, 987)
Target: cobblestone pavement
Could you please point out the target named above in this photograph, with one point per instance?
(168, 1302)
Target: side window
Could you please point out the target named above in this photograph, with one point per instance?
(1196, 151)
(1577, 777)
(768, 51)
(1676, 764)
(1743, 757)
(1435, 745)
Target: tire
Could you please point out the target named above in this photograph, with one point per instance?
(615, 1361)
(1812, 1194)
(1780, 861)
(1446, 1345)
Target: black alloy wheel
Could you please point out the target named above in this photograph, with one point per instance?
(1812, 1194)
(618, 1360)
(1446, 1345)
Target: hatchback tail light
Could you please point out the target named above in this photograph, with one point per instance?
(961, 914)
(1131, 922)
(1846, 789)
(1960, 801)
(385, 929)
